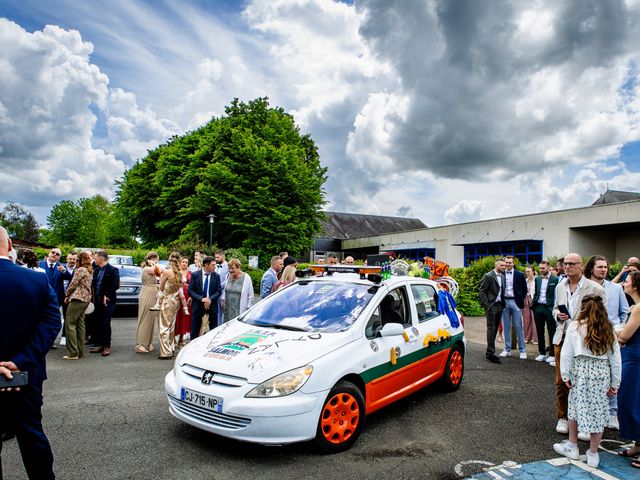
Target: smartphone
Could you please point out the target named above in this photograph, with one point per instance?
(20, 379)
(563, 309)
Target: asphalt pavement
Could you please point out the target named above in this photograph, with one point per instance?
(107, 418)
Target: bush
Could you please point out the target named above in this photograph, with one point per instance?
(256, 277)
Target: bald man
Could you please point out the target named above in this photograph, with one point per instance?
(29, 322)
(569, 294)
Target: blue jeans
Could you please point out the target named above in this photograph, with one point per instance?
(511, 311)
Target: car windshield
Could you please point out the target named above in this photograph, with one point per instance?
(131, 273)
(312, 306)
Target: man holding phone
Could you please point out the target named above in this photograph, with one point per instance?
(29, 322)
(569, 294)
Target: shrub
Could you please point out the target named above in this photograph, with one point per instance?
(256, 277)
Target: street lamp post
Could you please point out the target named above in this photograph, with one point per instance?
(211, 217)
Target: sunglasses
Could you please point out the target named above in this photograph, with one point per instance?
(571, 264)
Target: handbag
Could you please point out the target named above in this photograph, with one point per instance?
(90, 309)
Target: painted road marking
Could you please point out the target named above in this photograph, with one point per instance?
(612, 467)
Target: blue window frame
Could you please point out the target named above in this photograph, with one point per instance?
(527, 251)
(416, 253)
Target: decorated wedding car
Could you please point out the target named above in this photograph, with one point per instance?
(313, 359)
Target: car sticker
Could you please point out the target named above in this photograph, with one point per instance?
(236, 345)
(267, 360)
(374, 346)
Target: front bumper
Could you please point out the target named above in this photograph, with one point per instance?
(281, 420)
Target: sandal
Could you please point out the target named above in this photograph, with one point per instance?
(626, 454)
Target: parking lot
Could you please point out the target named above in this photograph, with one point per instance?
(107, 418)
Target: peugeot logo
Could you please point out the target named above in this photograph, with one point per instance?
(207, 377)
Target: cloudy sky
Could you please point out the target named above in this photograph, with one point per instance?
(444, 110)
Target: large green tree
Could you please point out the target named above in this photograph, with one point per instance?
(19, 222)
(88, 222)
(251, 168)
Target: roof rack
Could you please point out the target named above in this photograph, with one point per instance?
(362, 270)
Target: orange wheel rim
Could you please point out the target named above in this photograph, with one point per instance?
(455, 368)
(340, 418)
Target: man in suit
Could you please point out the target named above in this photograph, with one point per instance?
(205, 290)
(569, 294)
(492, 300)
(105, 284)
(515, 291)
(270, 277)
(29, 322)
(56, 273)
(542, 306)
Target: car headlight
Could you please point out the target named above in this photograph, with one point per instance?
(284, 384)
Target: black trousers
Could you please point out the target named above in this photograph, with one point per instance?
(543, 317)
(102, 327)
(196, 320)
(21, 415)
(494, 316)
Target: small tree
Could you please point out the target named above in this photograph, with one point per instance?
(19, 222)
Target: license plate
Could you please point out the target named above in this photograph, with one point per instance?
(201, 400)
(127, 290)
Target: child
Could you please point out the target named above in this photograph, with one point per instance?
(590, 365)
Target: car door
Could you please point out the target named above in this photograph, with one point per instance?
(391, 369)
(431, 327)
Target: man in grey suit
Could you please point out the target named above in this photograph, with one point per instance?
(492, 300)
(569, 294)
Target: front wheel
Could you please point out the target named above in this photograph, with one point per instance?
(341, 419)
(454, 369)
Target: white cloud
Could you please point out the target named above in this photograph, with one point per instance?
(465, 211)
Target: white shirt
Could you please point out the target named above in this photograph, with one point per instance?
(508, 289)
(572, 298)
(204, 279)
(543, 289)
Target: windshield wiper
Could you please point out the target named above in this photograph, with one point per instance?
(279, 326)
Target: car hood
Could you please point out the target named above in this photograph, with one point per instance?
(258, 353)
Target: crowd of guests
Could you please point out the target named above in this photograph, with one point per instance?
(594, 342)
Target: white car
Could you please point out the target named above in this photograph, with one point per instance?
(313, 359)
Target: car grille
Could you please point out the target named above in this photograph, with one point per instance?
(209, 416)
(218, 378)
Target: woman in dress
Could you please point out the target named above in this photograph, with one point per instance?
(238, 292)
(183, 320)
(530, 334)
(171, 297)
(77, 297)
(590, 367)
(147, 318)
(629, 394)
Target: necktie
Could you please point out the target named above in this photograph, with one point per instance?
(205, 290)
(51, 267)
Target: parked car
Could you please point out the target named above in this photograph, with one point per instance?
(130, 283)
(120, 260)
(312, 360)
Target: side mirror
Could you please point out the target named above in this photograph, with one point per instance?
(392, 330)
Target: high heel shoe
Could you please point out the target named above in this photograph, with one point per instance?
(141, 349)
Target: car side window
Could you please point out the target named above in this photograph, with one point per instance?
(424, 297)
(394, 308)
(374, 325)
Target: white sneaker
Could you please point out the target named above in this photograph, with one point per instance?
(584, 436)
(550, 359)
(613, 423)
(567, 450)
(541, 358)
(593, 459)
(553, 362)
(505, 353)
(523, 355)
(562, 426)
(63, 341)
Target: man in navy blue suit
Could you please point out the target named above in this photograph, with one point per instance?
(56, 273)
(29, 322)
(515, 291)
(205, 290)
(106, 281)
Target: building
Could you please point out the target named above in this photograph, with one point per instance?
(610, 227)
(338, 227)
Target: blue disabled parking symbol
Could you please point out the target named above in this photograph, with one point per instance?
(611, 467)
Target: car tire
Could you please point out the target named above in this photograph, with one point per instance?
(341, 418)
(454, 370)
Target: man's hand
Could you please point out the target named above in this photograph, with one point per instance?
(5, 369)
(61, 268)
(106, 300)
(207, 302)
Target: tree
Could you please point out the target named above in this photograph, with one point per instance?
(251, 168)
(88, 222)
(19, 222)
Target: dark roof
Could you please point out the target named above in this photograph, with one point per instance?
(22, 243)
(354, 225)
(616, 196)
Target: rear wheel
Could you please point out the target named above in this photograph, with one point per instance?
(341, 419)
(454, 370)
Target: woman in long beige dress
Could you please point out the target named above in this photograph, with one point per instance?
(171, 299)
(147, 318)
